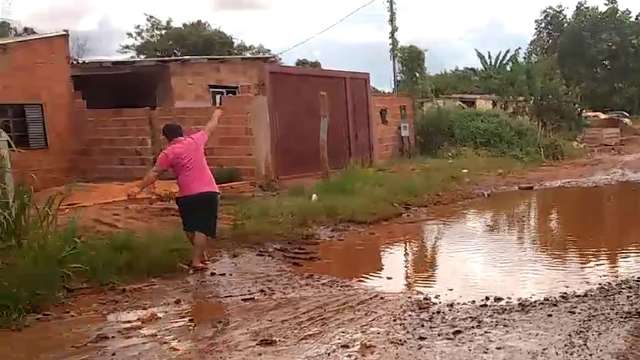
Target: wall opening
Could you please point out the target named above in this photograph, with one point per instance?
(141, 88)
(24, 124)
(218, 92)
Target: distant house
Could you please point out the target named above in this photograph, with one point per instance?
(474, 101)
(463, 101)
(100, 119)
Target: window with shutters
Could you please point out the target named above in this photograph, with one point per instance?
(24, 123)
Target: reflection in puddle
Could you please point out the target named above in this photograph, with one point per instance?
(513, 244)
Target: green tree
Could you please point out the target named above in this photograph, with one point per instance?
(457, 81)
(394, 44)
(8, 30)
(306, 63)
(412, 77)
(548, 29)
(158, 38)
(599, 53)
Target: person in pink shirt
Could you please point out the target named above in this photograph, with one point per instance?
(198, 195)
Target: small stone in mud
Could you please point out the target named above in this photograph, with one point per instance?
(177, 301)
(99, 337)
(456, 332)
(267, 342)
(498, 299)
(389, 278)
(152, 316)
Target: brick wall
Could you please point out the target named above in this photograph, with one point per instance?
(190, 81)
(232, 144)
(387, 141)
(37, 71)
(121, 143)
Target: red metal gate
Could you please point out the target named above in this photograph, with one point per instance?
(294, 107)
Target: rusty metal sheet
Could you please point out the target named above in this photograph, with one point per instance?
(295, 112)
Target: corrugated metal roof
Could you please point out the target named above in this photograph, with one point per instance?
(152, 61)
(32, 37)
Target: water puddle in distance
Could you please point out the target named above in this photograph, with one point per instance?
(515, 244)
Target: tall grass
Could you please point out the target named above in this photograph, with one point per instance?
(39, 259)
(22, 219)
(440, 129)
(359, 195)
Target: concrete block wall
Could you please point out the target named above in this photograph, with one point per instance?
(190, 81)
(117, 144)
(386, 137)
(232, 144)
(121, 144)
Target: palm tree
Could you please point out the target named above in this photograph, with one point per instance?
(500, 63)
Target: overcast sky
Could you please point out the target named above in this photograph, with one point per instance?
(450, 29)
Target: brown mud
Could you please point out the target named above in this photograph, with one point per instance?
(269, 302)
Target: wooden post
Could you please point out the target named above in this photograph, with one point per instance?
(324, 127)
(5, 166)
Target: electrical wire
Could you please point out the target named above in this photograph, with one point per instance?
(327, 28)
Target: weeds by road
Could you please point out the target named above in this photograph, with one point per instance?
(361, 195)
(39, 260)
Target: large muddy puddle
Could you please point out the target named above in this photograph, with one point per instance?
(514, 244)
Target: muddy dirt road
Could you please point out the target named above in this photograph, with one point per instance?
(303, 301)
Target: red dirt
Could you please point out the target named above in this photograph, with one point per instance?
(252, 305)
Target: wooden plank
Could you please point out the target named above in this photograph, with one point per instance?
(324, 126)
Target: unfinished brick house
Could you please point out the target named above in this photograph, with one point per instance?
(107, 115)
(36, 102)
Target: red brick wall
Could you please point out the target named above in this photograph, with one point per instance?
(37, 71)
(387, 141)
(232, 144)
(190, 81)
(121, 143)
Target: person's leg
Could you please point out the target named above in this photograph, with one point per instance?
(190, 235)
(199, 247)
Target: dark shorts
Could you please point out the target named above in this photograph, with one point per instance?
(199, 212)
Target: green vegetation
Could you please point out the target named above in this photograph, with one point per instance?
(225, 175)
(360, 195)
(442, 130)
(39, 260)
(158, 38)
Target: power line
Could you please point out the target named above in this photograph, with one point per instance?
(327, 28)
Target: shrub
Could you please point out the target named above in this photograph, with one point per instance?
(225, 175)
(491, 131)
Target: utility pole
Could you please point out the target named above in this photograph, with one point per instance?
(393, 43)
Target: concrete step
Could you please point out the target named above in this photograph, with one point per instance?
(119, 141)
(229, 151)
(146, 161)
(118, 151)
(121, 131)
(118, 122)
(231, 161)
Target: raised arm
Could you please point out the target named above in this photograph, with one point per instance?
(213, 123)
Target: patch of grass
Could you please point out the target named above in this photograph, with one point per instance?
(34, 275)
(360, 195)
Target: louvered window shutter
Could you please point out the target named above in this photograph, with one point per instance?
(35, 127)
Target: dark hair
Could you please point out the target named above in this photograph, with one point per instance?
(172, 131)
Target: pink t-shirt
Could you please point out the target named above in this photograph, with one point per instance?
(186, 158)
